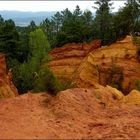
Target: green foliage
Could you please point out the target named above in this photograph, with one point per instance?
(24, 74)
(23, 77)
(46, 81)
(115, 81)
(115, 76)
(24, 36)
(14, 41)
(66, 27)
(138, 85)
(75, 28)
(78, 26)
(32, 27)
(103, 21)
(126, 20)
(9, 40)
(136, 41)
(39, 44)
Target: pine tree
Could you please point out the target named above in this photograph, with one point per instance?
(103, 20)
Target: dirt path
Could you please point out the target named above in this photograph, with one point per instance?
(72, 114)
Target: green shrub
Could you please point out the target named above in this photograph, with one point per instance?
(115, 77)
(24, 73)
(136, 41)
(23, 77)
(138, 85)
(46, 81)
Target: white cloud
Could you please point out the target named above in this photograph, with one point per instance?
(50, 5)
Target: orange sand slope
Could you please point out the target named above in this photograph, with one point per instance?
(74, 113)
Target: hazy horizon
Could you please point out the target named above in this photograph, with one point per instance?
(26, 11)
(46, 6)
(22, 12)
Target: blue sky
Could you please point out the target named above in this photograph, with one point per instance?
(36, 6)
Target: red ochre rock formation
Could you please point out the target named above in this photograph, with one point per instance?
(7, 88)
(66, 60)
(90, 65)
(119, 57)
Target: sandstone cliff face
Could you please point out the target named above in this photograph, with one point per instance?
(90, 65)
(66, 60)
(109, 64)
(7, 88)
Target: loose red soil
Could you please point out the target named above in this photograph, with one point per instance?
(72, 114)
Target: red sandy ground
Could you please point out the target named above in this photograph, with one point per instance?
(72, 114)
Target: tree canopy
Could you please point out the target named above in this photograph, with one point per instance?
(27, 47)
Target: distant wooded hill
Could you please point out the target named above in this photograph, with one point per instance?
(24, 18)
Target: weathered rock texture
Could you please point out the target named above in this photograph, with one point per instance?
(132, 98)
(73, 114)
(91, 65)
(7, 88)
(66, 60)
(115, 65)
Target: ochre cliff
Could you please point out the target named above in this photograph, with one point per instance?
(7, 88)
(66, 60)
(90, 65)
(114, 64)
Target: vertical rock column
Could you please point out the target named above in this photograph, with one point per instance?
(7, 88)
